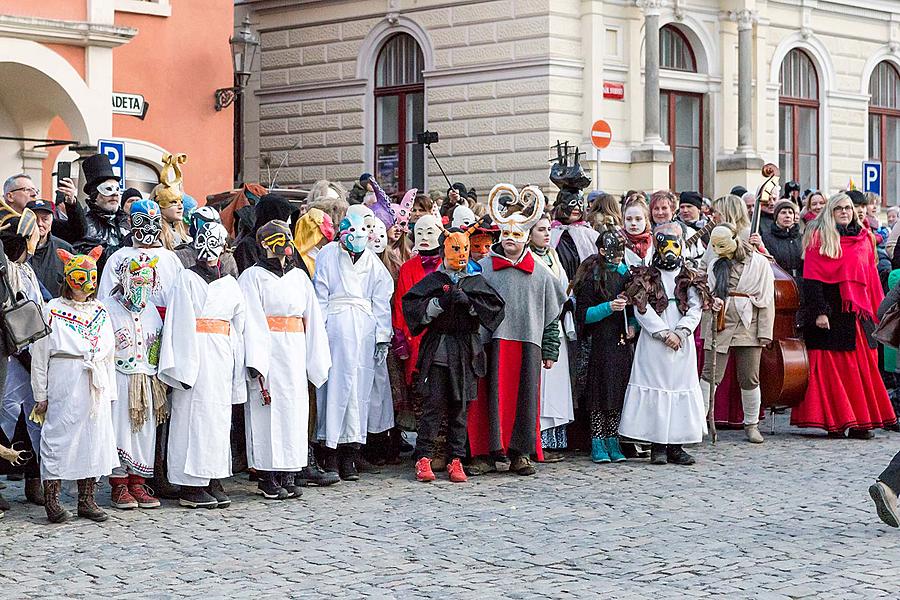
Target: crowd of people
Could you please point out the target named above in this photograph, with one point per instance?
(301, 340)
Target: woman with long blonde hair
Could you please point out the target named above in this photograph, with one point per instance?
(839, 303)
(731, 209)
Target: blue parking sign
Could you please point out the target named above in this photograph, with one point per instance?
(872, 177)
(116, 153)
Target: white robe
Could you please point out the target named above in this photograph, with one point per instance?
(72, 370)
(584, 236)
(356, 302)
(17, 395)
(138, 337)
(277, 433)
(556, 406)
(167, 269)
(663, 402)
(211, 366)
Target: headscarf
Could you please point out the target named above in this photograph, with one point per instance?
(311, 229)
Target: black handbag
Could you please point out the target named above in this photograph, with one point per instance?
(21, 320)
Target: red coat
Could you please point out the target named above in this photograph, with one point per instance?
(411, 273)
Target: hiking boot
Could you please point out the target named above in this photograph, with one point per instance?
(615, 450)
(553, 457)
(330, 460)
(347, 468)
(287, 481)
(455, 470)
(313, 474)
(363, 465)
(480, 465)
(138, 487)
(216, 490)
(522, 465)
(269, 488)
(55, 512)
(87, 506)
(677, 456)
(120, 497)
(193, 496)
(885, 503)
(423, 470)
(599, 453)
(753, 434)
(34, 493)
(658, 455)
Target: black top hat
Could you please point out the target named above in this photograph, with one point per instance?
(96, 169)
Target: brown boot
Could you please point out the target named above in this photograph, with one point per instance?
(87, 507)
(55, 512)
(33, 491)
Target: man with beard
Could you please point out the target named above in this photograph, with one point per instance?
(106, 224)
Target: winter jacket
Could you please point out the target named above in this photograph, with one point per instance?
(786, 247)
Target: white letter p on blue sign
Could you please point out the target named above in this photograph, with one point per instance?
(872, 177)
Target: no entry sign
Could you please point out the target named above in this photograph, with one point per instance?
(601, 134)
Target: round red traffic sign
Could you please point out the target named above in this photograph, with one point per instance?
(601, 134)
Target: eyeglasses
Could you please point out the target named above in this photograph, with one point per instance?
(32, 191)
(843, 208)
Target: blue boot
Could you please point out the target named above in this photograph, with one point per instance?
(615, 451)
(599, 453)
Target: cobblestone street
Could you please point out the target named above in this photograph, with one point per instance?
(789, 519)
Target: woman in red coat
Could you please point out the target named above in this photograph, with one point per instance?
(840, 297)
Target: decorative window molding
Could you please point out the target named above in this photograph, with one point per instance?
(158, 8)
(73, 33)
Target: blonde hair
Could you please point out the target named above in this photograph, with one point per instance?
(823, 229)
(167, 234)
(733, 211)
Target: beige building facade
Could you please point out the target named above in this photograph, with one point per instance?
(698, 93)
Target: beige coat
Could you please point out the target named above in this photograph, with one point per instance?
(753, 277)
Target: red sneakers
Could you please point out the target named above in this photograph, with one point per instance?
(455, 469)
(121, 497)
(141, 493)
(423, 470)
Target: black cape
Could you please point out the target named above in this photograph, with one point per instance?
(456, 327)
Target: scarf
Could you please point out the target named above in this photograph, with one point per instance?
(430, 263)
(144, 391)
(853, 271)
(639, 242)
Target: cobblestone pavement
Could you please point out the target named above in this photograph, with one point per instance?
(788, 519)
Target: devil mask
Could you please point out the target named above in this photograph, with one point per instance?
(378, 237)
(456, 249)
(146, 222)
(426, 233)
(80, 270)
(611, 247)
(137, 277)
(480, 244)
(667, 247)
(275, 237)
(210, 242)
(353, 233)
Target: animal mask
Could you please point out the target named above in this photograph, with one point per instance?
(667, 242)
(378, 238)
(275, 237)
(353, 234)
(515, 212)
(138, 279)
(426, 233)
(170, 189)
(456, 250)
(146, 222)
(480, 244)
(612, 247)
(210, 241)
(402, 211)
(723, 241)
(80, 270)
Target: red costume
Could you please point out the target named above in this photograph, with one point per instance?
(411, 272)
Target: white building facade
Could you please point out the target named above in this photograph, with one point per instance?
(698, 93)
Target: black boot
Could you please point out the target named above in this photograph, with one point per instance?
(269, 487)
(362, 464)
(330, 460)
(216, 490)
(658, 454)
(87, 507)
(287, 480)
(312, 474)
(347, 457)
(677, 455)
(196, 497)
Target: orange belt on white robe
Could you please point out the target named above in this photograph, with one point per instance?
(286, 324)
(216, 326)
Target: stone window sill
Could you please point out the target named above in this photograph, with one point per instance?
(159, 8)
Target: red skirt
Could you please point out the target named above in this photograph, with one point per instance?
(845, 390)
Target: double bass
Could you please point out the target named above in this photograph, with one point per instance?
(784, 364)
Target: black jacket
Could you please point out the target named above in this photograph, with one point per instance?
(786, 247)
(47, 266)
(71, 228)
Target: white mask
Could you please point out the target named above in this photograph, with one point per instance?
(378, 237)
(426, 233)
(210, 241)
(367, 215)
(462, 217)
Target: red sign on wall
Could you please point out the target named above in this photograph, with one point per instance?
(613, 90)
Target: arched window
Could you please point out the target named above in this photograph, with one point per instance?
(798, 120)
(884, 129)
(399, 114)
(681, 114)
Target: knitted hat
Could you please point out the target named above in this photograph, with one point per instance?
(692, 198)
(784, 204)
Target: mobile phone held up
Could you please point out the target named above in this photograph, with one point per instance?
(63, 171)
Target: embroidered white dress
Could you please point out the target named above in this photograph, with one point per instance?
(168, 266)
(277, 433)
(73, 370)
(356, 301)
(138, 335)
(210, 365)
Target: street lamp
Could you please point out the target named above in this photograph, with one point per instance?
(243, 51)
